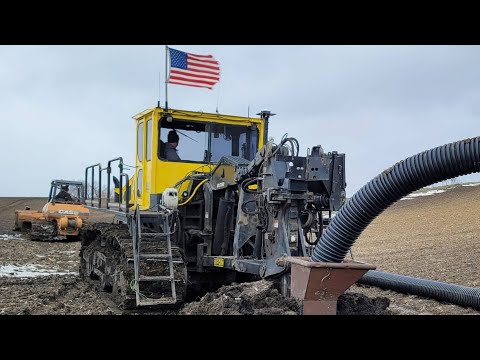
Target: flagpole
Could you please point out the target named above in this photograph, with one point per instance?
(159, 88)
(166, 78)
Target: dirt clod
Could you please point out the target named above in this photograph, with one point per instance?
(359, 304)
(256, 298)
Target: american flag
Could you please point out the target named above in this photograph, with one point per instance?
(193, 70)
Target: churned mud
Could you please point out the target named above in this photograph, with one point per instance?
(434, 237)
(54, 295)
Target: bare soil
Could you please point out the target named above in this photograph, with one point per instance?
(49, 295)
(434, 237)
(43, 294)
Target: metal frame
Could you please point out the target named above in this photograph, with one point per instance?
(53, 189)
(109, 171)
(93, 181)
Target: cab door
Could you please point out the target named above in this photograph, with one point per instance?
(144, 162)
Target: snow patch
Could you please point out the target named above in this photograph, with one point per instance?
(67, 252)
(27, 271)
(474, 184)
(426, 193)
(10, 237)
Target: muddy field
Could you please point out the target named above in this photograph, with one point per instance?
(41, 277)
(435, 237)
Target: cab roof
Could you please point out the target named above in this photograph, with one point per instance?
(67, 182)
(191, 115)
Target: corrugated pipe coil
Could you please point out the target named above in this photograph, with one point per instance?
(456, 294)
(426, 168)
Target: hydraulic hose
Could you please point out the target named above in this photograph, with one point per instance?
(456, 294)
(426, 168)
(193, 193)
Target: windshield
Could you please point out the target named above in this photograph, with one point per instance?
(192, 141)
(66, 193)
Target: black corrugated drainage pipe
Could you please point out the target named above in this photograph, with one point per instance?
(455, 294)
(426, 168)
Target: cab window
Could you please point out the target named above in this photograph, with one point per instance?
(206, 142)
(140, 141)
(233, 140)
(149, 140)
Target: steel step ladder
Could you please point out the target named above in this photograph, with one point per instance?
(138, 256)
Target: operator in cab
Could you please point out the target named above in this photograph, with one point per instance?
(171, 146)
(64, 195)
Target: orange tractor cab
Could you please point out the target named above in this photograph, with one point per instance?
(61, 218)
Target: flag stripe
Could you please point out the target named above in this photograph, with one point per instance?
(193, 69)
(201, 56)
(210, 61)
(202, 70)
(190, 84)
(194, 74)
(190, 79)
(202, 65)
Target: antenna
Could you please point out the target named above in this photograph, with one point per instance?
(218, 97)
(248, 111)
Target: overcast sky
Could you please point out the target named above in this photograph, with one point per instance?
(66, 107)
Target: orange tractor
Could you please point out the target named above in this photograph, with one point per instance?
(61, 218)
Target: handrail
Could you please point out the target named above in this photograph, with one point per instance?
(100, 188)
(109, 170)
(93, 181)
